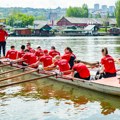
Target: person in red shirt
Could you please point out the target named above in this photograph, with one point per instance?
(30, 48)
(62, 65)
(22, 52)
(39, 53)
(46, 60)
(12, 54)
(108, 65)
(81, 69)
(3, 37)
(69, 56)
(28, 59)
(53, 52)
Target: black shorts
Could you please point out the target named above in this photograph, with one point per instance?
(76, 75)
(104, 75)
(107, 75)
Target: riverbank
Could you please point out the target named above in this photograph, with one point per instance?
(66, 34)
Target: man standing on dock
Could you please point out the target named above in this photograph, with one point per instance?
(3, 37)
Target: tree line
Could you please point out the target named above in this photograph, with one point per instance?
(19, 19)
(117, 12)
(82, 12)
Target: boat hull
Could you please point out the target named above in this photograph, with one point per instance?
(109, 85)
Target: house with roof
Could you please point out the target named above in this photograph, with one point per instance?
(72, 31)
(21, 32)
(91, 30)
(83, 22)
(42, 28)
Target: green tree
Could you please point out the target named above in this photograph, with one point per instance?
(98, 15)
(117, 12)
(108, 15)
(20, 20)
(91, 16)
(78, 11)
(85, 10)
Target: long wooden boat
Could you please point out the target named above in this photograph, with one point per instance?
(108, 85)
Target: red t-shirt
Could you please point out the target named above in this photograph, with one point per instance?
(31, 50)
(109, 65)
(30, 58)
(39, 53)
(70, 54)
(46, 60)
(21, 54)
(66, 57)
(3, 34)
(12, 54)
(82, 70)
(53, 53)
(63, 65)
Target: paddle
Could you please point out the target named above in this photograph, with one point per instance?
(96, 64)
(24, 81)
(5, 65)
(21, 74)
(10, 71)
(23, 67)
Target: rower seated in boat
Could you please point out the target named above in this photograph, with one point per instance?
(80, 70)
(108, 65)
(53, 52)
(69, 56)
(28, 59)
(45, 60)
(28, 46)
(22, 52)
(12, 53)
(62, 65)
(39, 52)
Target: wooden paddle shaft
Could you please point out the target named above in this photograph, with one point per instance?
(4, 65)
(21, 74)
(13, 70)
(34, 79)
(10, 71)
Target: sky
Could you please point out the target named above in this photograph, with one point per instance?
(52, 3)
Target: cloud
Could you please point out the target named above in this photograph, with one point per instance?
(52, 3)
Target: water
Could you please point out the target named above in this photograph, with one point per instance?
(48, 100)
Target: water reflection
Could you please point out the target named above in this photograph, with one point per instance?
(48, 89)
(107, 108)
(58, 101)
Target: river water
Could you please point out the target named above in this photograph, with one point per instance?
(48, 100)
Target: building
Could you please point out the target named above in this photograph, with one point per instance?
(79, 22)
(96, 7)
(22, 32)
(111, 9)
(37, 23)
(91, 29)
(83, 22)
(72, 31)
(43, 30)
(104, 8)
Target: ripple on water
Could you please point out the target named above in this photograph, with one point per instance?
(48, 100)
